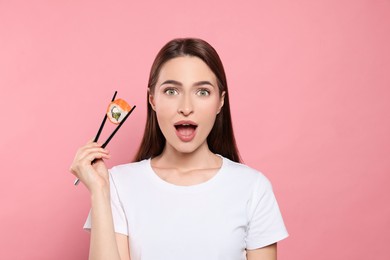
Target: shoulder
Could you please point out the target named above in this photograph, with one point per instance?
(125, 177)
(244, 172)
(128, 167)
(129, 170)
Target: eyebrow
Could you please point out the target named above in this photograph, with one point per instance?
(177, 83)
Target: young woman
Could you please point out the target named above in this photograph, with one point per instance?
(186, 196)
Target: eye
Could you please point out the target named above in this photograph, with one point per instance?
(170, 91)
(203, 92)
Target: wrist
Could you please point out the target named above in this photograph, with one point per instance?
(100, 193)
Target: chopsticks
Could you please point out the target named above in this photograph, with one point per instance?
(76, 182)
(103, 122)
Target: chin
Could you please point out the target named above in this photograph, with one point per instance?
(185, 150)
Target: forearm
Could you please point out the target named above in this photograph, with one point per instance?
(103, 242)
(264, 253)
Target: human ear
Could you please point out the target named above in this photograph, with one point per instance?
(221, 102)
(151, 100)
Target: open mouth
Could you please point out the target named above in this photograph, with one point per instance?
(185, 130)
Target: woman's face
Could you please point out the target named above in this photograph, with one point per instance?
(186, 100)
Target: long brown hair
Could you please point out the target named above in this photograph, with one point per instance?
(221, 138)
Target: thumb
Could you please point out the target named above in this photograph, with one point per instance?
(100, 165)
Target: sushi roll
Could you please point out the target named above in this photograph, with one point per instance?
(117, 110)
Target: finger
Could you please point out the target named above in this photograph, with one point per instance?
(95, 149)
(98, 162)
(87, 162)
(83, 152)
(98, 156)
(85, 156)
(90, 157)
(100, 166)
(92, 144)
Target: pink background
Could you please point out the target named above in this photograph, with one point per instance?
(310, 97)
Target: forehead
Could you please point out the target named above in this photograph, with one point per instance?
(186, 68)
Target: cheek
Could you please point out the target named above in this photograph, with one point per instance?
(208, 111)
(165, 108)
(164, 111)
(210, 106)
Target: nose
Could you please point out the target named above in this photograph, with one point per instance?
(185, 107)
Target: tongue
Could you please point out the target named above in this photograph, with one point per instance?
(185, 130)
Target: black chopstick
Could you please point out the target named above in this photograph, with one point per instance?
(76, 182)
(103, 122)
(117, 128)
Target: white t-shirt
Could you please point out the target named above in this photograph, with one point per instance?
(218, 219)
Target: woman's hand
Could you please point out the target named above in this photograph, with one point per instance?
(89, 167)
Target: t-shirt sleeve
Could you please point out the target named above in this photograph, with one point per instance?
(266, 224)
(118, 214)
